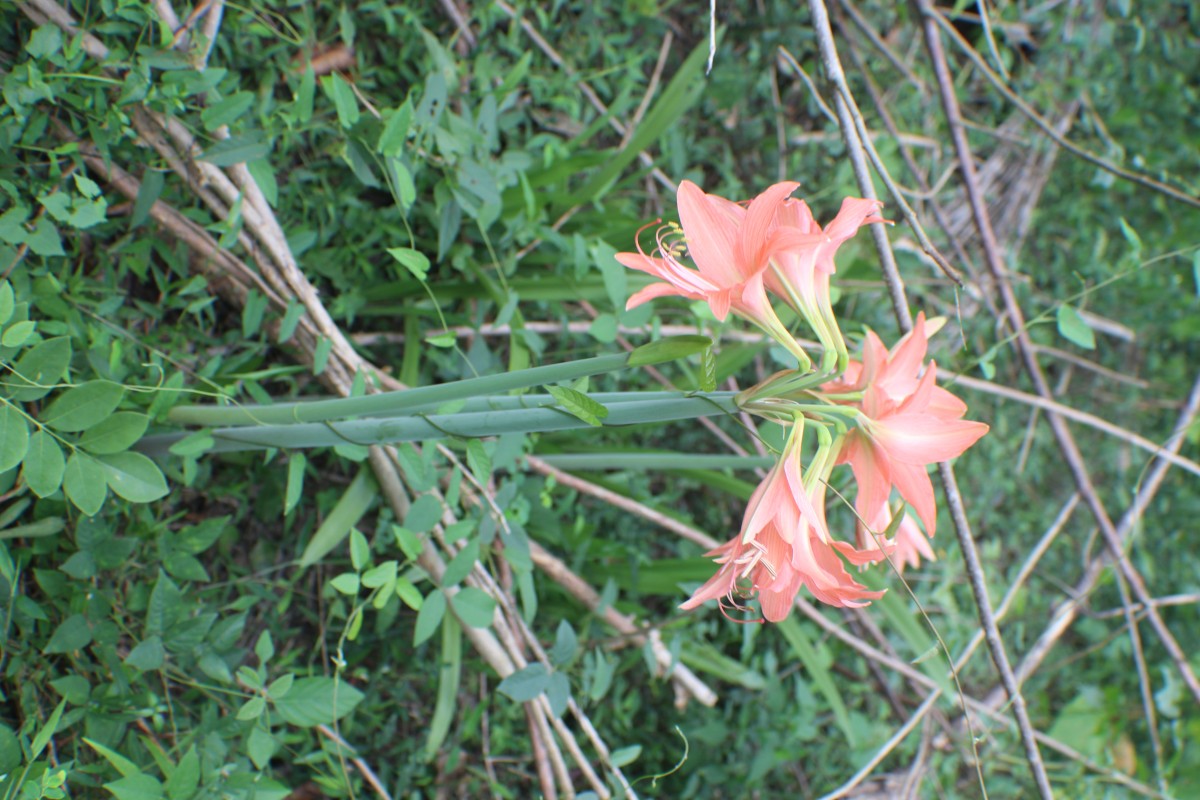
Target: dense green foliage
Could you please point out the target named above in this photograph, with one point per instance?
(209, 625)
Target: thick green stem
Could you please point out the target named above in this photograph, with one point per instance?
(654, 461)
(393, 403)
(466, 425)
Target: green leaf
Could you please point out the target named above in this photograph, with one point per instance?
(281, 686)
(565, 644)
(136, 787)
(45, 241)
(252, 708)
(474, 607)
(295, 482)
(45, 41)
(343, 99)
(148, 194)
(708, 370)
(264, 648)
(192, 445)
(86, 186)
(14, 437)
(16, 334)
(360, 550)
(119, 762)
(412, 260)
(134, 477)
(10, 750)
(409, 594)
(47, 731)
(604, 328)
(84, 483)
(236, 150)
(226, 110)
(423, 514)
(346, 583)
(525, 684)
(355, 502)
(409, 542)
(83, 406)
(147, 655)
(316, 701)
(429, 617)
(44, 464)
(291, 318)
(1074, 329)
(449, 676)
(817, 670)
(73, 633)
(264, 175)
(381, 576)
(7, 300)
(260, 744)
(184, 781)
(195, 539)
(252, 312)
(395, 131)
(579, 405)
(12, 230)
(478, 460)
(40, 368)
(625, 755)
(304, 94)
(680, 94)
(669, 349)
(443, 340)
(115, 434)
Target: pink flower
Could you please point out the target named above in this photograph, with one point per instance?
(801, 274)
(905, 424)
(909, 543)
(732, 247)
(784, 545)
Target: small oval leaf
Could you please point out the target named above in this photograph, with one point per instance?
(134, 477)
(83, 406)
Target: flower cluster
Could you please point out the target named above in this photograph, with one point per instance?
(882, 414)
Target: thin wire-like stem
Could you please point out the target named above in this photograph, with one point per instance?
(1024, 346)
(974, 567)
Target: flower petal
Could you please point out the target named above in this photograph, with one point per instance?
(854, 213)
(711, 231)
(652, 291)
(760, 216)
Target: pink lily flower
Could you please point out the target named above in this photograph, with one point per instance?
(909, 544)
(801, 275)
(785, 545)
(906, 423)
(732, 247)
